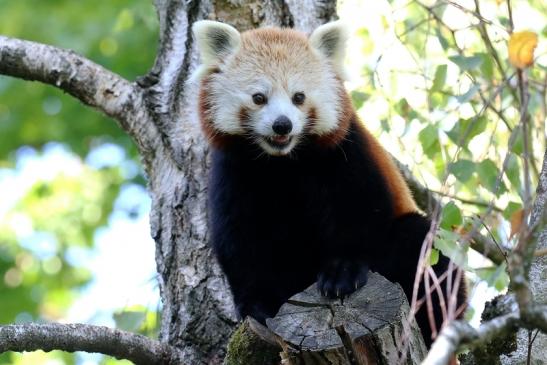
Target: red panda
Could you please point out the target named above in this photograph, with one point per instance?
(299, 190)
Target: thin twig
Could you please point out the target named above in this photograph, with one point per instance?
(498, 246)
(467, 201)
(510, 14)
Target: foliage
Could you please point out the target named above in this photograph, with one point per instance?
(58, 214)
(120, 35)
(442, 77)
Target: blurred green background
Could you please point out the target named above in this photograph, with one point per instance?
(69, 175)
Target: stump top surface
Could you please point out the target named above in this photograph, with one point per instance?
(309, 321)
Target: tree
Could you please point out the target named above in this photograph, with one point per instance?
(158, 112)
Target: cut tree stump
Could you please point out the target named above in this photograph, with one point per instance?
(365, 328)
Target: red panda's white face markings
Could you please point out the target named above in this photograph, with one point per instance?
(274, 86)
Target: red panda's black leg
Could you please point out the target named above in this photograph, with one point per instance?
(342, 276)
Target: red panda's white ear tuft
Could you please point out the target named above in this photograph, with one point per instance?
(330, 41)
(215, 40)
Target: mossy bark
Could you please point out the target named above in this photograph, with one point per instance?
(250, 345)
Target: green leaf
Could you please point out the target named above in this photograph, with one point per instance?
(385, 125)
(439, 163)
(462, 169)
(358, 98)
(447, 243)
(129, 320)
(438, 100)
(502, 281)
(433, 257)
(487, 66)
(465, 129)
(429, 138)
(488, 174)
(518, 144)
(513, 171)
(466, 63)
(468, 95)
(404, 109)
(451, 216)
(442, 39)
(495, 276)
(439, 79)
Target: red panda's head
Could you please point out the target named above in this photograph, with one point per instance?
(272, 87)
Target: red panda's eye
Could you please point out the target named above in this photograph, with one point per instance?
(259, 99)
(298, 98)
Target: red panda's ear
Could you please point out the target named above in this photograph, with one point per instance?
(215, 40)
(330, 41)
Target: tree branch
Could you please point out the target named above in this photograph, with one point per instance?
(459, 334)
(164, 84)
(82, 337)
(488, 248)
(85, 80)
(172, 62)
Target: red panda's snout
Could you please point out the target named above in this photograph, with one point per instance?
(278, 125)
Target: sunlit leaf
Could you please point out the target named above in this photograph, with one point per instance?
(451, 216)
(462, 169)
(495, 276)
(385, 125)
(433, 257)
(513, 171)
(518, 145)
(442, 39)
(439, 79)
(447, 242)
(466, 63)
(358, 98)
(465, 129)
(521, 48)
(487, 66)
(429, 138)
(468, 95)
(488, 174)
(129, 320)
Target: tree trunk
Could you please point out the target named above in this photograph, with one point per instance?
(198, 314)
(367, 328)
(533, 343)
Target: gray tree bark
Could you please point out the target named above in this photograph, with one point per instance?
(533, 343)
(198, 314)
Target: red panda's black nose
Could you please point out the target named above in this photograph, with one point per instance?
(282, 125)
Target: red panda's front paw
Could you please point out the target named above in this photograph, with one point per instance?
(341, 277)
